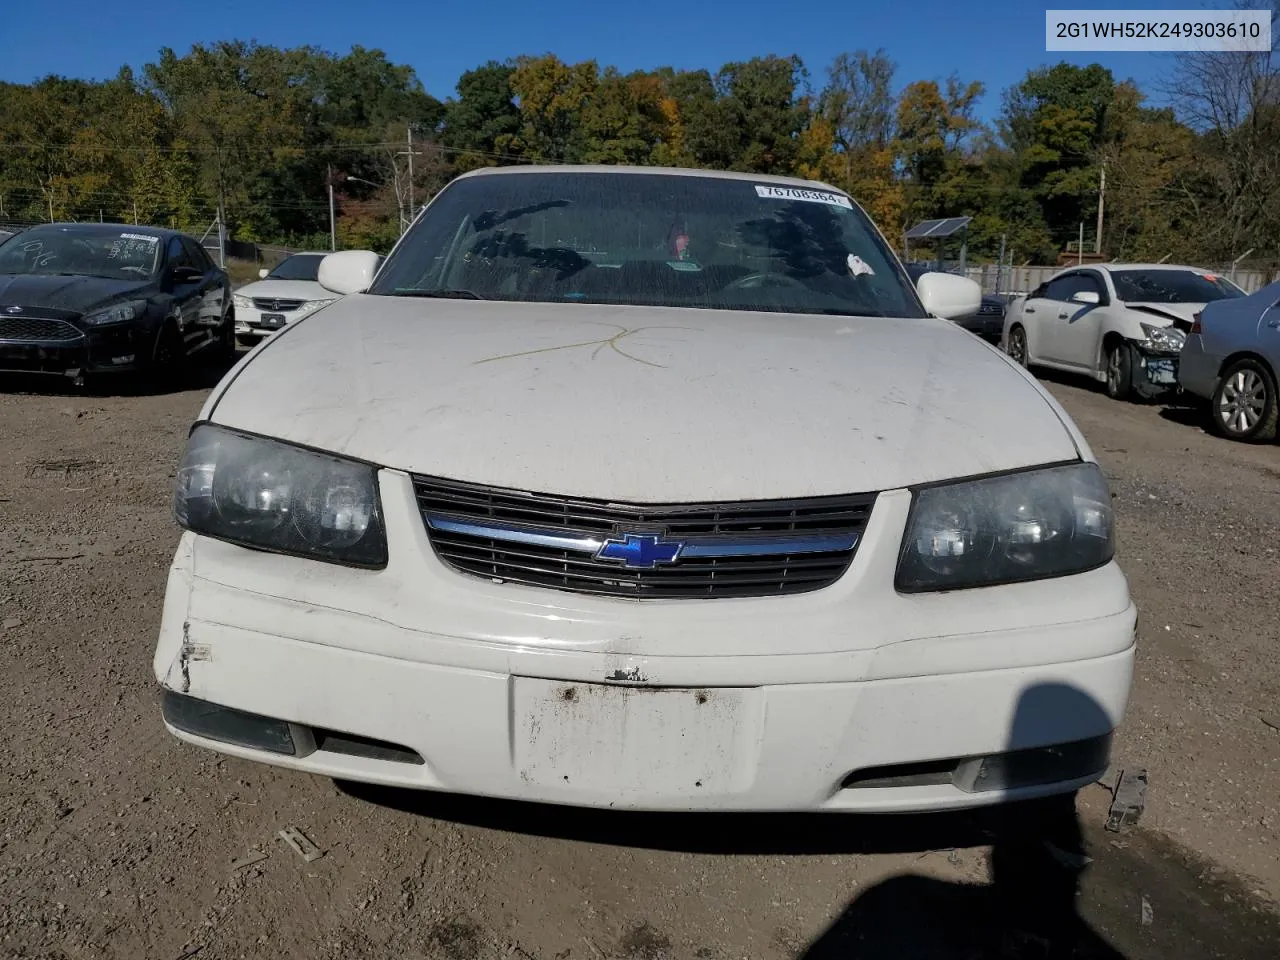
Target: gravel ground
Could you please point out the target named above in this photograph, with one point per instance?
(118, 842)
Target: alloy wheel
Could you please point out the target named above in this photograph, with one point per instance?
(1242, 402)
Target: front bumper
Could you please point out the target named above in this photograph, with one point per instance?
(849, 698)
(112, 349)
(252, 322)
(1155, 374)
(989, 326)
(1198, 369)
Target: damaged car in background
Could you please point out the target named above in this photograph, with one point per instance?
(1121, 324)
(646, 489)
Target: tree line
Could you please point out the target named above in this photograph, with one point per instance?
(261, 133)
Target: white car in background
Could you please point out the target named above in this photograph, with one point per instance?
(287, 292)
(1122, 324)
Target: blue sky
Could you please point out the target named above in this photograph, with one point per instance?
(995, 41)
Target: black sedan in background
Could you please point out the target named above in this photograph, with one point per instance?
(80, 300)
(987, 323)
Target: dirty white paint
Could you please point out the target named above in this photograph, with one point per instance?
(645, 404)
(633, 741)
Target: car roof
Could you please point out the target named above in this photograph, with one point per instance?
(662, 171)
(162, 233)
(1112, 267)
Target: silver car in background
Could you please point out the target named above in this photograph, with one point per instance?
(1231, 357)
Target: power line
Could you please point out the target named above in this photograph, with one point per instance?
(320, 149)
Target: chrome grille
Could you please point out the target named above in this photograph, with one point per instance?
(735, 549)
(991, 309)
(271, 305)
(36, 330)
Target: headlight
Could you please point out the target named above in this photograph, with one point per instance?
(1040, 523)
(1163, 339)
(275, 496)
(120, 313)
(241, 303)
(311, 306)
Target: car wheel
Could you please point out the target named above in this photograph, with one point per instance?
(1244, 403)
(1120, 371)
(1018, 345)
(246, 340)
(225, 349)
(169, 359)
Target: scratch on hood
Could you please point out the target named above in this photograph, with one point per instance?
(599, 344)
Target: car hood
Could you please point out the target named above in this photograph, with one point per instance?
(286, 290)
(644, 404)
(74, 294)
(1181, 314)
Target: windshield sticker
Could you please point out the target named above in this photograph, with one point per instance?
(139, 236)
(770, 192)
(859, 267)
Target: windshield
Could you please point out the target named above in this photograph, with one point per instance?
(303, 266)
(110, 254)
(649, 239)
(1172, 286)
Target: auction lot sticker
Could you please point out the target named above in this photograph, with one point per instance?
(772, 192)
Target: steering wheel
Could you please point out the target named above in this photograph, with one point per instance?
(755, 281)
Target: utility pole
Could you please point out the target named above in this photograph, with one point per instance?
(222, 228)
(1102, 194)
(135, 213)
(333, 223)
(1080, 246)
(410, 140)
(1000, 263)
(51, 208)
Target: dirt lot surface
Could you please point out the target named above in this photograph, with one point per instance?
(117, 841)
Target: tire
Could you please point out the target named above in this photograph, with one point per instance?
(168, 362)
(1120, 371)
(1018, 345)
(224, 348)
(247, 340)
(1244, 405)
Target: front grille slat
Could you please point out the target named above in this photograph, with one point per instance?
(38, 330)
(271, 305)
(773, 572)
(478, 550)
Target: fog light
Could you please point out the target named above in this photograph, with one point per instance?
(226, 725)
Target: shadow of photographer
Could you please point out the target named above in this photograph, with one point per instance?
(1029, 908)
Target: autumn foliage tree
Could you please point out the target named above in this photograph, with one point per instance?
(260, 132)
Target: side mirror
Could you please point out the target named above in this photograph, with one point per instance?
(350, 271)
(1086, 296)
(947, 296)
(262, 274)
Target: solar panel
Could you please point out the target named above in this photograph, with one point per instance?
(946, 227)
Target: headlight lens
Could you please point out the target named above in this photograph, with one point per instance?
(311, 306)
(120, 313)
(1163, 339)
(275, 496)
(1022, 526)
(241, 303)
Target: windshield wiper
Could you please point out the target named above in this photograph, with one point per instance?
(440, 292)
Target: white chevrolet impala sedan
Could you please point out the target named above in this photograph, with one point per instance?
(647, 489)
